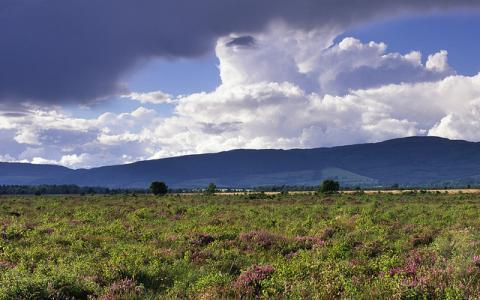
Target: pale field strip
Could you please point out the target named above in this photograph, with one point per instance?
(396, 192)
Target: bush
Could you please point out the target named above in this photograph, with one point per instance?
(329, 186)
(249, 282)
(123, 289)
(261, 239)
(211, 189)
(159, 188)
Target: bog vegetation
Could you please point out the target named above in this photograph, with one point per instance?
(412, 245)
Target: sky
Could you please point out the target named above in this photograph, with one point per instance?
(86, 84)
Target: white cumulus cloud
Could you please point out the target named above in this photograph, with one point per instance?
(285, 88)
(156, 97)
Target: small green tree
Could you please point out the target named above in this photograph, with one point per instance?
(211, 189)
(329, 186)
(158, 188)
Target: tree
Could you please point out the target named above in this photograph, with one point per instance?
(159, 188)
(211, 189)
(329, 186)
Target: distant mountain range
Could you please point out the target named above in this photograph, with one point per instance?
(413, 161)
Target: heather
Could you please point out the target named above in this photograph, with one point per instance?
(412, 245)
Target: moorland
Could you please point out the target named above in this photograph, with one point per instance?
(396, 246)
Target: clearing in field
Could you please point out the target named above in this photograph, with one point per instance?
(256, 245)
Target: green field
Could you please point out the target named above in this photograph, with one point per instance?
(422, 245)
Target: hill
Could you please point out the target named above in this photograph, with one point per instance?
(22, 173)
(414, 161)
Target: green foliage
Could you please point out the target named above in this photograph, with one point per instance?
(64, 189)
(158, 188)
(329, 186)
(301, 246)
(211, 189)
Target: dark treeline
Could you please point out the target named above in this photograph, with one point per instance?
(63, 190)
(68, 189)
(79, 190)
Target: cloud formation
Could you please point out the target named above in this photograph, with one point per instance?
(157, 97)
(310, 92)
(56, 51)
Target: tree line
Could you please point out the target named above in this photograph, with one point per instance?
(157, 188)
(65, 189)
(160, 188)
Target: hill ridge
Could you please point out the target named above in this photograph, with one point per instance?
(416, 160)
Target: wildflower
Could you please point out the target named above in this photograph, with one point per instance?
(476, 260)
(249, 281)
(261, 239)
(124, 287)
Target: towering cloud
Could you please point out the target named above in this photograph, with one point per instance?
(54, 51)
(283, 88)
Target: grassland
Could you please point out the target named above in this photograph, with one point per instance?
(367, 246)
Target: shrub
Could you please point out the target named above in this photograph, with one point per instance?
(262, 239)
(211, 189)
(308, 242)
(123, 289)
(258, 196)
(6, 264)
(328, 233)
(329, 186)
(202, 239)
(158, 188)
(249, 282)
(422, 240)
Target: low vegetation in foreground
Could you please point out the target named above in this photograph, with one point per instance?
(411, 245)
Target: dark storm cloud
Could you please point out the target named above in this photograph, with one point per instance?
(13, 114)
(54, 51)
(243, 41)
